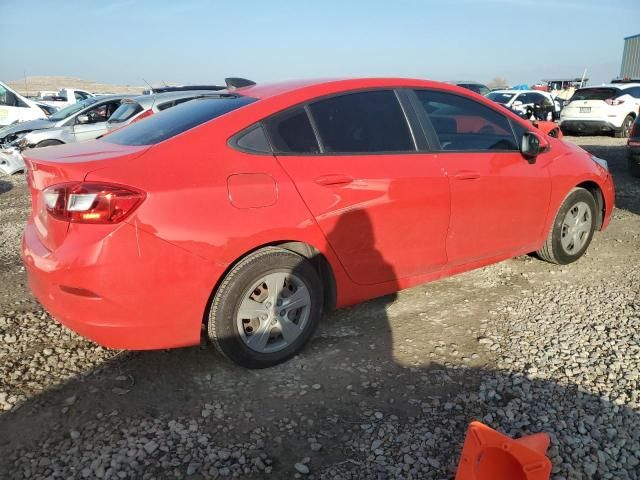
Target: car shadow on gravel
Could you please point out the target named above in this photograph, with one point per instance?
(627, 186)
(346, 404)
(5, 186)
(413, 419)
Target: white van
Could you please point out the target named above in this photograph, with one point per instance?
(16, 108)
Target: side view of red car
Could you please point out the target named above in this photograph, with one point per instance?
(254, 211)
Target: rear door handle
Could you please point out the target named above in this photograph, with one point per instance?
(333, 180)
(467, 175)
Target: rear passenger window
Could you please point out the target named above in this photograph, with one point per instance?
(464, 124)
(252, 140)
(363, 122)
(291, 132)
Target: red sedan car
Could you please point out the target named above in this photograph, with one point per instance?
(252, 212)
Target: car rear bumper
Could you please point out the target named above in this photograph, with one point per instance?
(11, 161)
(588, 126)
(129, 290)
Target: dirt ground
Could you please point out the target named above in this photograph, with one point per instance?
(373, 365)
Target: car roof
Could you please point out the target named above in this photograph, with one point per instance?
(620, 86)
(520, 91)
(149, 100)
(309, 87)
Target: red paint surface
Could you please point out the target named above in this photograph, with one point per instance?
(383, 222)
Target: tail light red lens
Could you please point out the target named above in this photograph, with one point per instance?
(91, 202)
(146, 114)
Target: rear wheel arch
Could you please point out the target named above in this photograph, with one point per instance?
(319, 261)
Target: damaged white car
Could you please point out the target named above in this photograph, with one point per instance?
(81, 121)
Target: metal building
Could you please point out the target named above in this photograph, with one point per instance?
(631, 57)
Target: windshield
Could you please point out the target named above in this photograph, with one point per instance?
(500, 97)
(124, 112)
(173, 121)
(595, 94)
(71, 109)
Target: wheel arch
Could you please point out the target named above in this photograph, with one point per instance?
(595, 190)
(317, 259)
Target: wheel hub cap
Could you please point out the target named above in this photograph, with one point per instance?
(273, 312)
(576, 228)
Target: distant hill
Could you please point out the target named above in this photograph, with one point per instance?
(36, 84)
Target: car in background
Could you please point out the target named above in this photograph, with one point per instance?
(15, 108)
(65, 97)
(633, 148)
(47, 109)
(81, 121)
(540, 105)
(476, 87)
(603, 109)
(136, 108)
(251, 213)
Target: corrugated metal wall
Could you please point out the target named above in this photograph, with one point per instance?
(631, 57)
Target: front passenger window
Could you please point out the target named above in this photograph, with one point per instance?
(462, 124)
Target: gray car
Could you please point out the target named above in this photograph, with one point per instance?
(85, 120)
(136, 108)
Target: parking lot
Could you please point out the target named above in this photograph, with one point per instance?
(384, 390)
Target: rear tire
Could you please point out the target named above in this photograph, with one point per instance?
(625, 129)
(572, 229)
(266, 309)
(634, 167)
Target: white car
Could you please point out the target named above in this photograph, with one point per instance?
(541, 103)
(604, 109)
(15, 108)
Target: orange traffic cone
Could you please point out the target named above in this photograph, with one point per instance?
(490, 455)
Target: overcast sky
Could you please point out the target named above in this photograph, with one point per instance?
(195, 41)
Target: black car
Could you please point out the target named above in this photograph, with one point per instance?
(633, 148)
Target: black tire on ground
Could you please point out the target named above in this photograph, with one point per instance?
(634, 167)
(625, 129)
(222, 327)
(49, 143)
(552, 251)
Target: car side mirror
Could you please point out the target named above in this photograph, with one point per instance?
(82, 119)
(517, 103)
(532, 145)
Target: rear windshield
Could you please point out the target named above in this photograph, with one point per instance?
(124, 112)
(173, 121)
(595, 93)
(500, 97)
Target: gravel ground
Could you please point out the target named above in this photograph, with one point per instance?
(385, 390)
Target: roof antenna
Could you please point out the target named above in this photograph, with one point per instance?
(236, 82)
(149, 85)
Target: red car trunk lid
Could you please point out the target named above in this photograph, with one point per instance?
(67, 163)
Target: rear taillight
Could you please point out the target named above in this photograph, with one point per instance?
(146, 114)
(614, 101)
(91, 202)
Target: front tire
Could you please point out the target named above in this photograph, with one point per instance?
(266, 308)
(572, 229)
